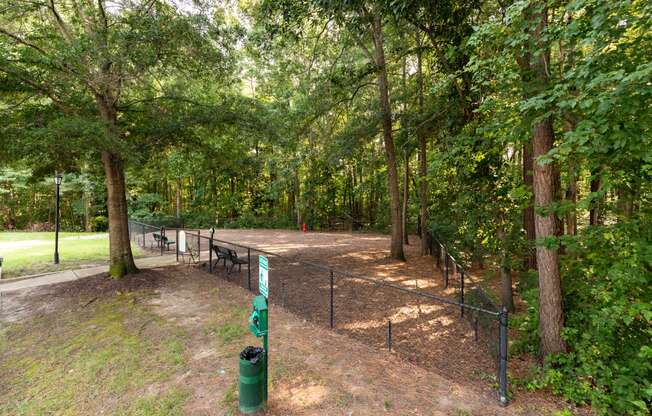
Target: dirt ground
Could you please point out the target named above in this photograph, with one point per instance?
(202, 320)
(428, 337)
(425, 332)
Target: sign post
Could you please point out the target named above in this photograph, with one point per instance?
(253, 374)
(263, 276)
(263, 288)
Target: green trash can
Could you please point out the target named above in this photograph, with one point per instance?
(252, 380)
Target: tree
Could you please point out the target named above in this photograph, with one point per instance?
(86, 62)
(423, 155)
(396, 245)
(551, 316)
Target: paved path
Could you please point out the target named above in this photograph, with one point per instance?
(68, 275)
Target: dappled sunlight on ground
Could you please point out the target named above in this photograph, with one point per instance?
(300, 394)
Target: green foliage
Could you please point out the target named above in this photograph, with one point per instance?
(609, 320)
(100, 223)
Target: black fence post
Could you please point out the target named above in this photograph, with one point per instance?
(389, 335)
(331, 302)
(446, 264)
(162, 235)
(502, 375)
(210, 254)
(176, 243)
(462, 291)
(249, 268)
(199, 246)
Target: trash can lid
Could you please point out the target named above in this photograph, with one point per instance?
(252, 354)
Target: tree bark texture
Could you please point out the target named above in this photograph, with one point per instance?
(595, 214)
(571, 196)
(530, 260)
(178, 197)
(121, 258)
(551, 317)
(396, 245)
(406, 198)
(423, 161)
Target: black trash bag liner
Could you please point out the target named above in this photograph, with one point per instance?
(252, 354)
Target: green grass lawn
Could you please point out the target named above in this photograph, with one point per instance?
(98, 360)
(32, 252)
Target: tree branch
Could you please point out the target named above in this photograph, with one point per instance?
(40, 88)
(23, 41)
(100, 6)
(60, 23)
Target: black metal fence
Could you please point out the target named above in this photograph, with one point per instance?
(380, 313)
(143, 235)
(474, 303)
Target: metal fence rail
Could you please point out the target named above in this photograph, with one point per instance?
(377, 312)
(474, 300)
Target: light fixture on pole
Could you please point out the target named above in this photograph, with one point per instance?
(57, 180)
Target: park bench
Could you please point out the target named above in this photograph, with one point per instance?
(230, 255)
(161, 239)
(221, 253)
(234, 259)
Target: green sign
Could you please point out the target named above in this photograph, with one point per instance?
(263, 276)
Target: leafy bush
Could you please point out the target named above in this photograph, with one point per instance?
(100, 223)
(607, 276)
(250, 220)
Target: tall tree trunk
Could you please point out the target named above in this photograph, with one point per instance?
(625, 202)
(406, 195)
(121, 258)
(525, 65)
(551, 317)
(423, 162)
(87, 212)
(530, 261)
(178, 195)
(396, 246)
(571, 196)
(595, 214)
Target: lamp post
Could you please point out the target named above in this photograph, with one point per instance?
(57, 180)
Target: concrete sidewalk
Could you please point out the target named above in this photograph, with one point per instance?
(68, 275)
